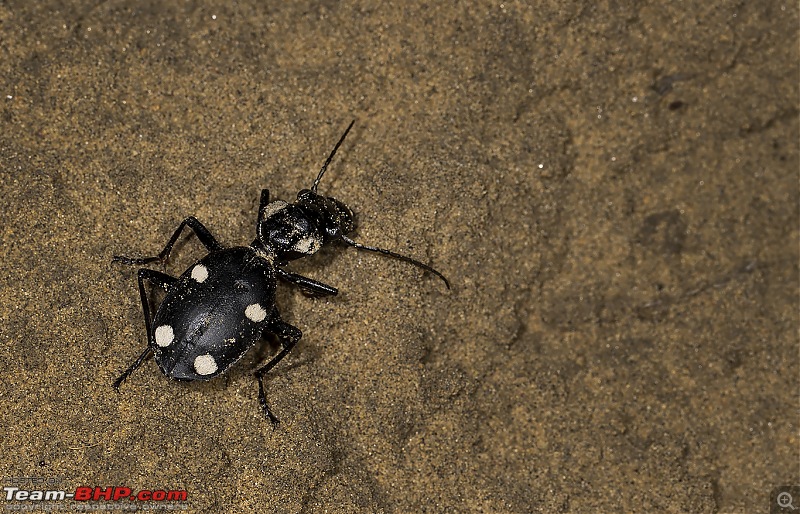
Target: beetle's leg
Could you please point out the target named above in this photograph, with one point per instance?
(133, 367)
(288, 336)
(307, 284)
(158, 279)
(199, 229)
(263, 203)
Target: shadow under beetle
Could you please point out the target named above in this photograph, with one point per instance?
(219, 308)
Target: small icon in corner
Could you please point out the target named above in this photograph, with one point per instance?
(784, 498)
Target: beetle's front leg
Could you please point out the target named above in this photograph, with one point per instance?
(198, 228)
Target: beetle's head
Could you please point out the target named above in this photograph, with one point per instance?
(290, 231)
(333, 217)
(299, 229)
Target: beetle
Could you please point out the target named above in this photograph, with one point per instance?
(222, 304)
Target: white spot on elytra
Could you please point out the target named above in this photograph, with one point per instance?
(164, 336)
(200, 273)
(273, 207)
(255, 313)
(205, 364)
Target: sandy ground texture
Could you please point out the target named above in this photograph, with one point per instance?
(611, 187)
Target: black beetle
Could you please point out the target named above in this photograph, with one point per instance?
(219, 308)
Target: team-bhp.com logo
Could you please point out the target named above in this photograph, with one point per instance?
(31, 491)
(96, 493)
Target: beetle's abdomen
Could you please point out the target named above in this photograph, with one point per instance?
(213, 314)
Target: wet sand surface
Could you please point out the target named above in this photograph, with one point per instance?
(611, 188)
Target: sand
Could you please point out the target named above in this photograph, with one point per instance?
(611, 188)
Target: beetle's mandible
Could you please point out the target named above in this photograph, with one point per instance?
(219, 308)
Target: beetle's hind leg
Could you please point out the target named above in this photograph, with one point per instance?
(158, 279)
(288, 336)
(133, 367)
(198, 228)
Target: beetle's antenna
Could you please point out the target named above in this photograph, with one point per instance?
(330, 158)
(396, 256)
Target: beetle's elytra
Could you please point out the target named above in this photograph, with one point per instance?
(220, 307)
